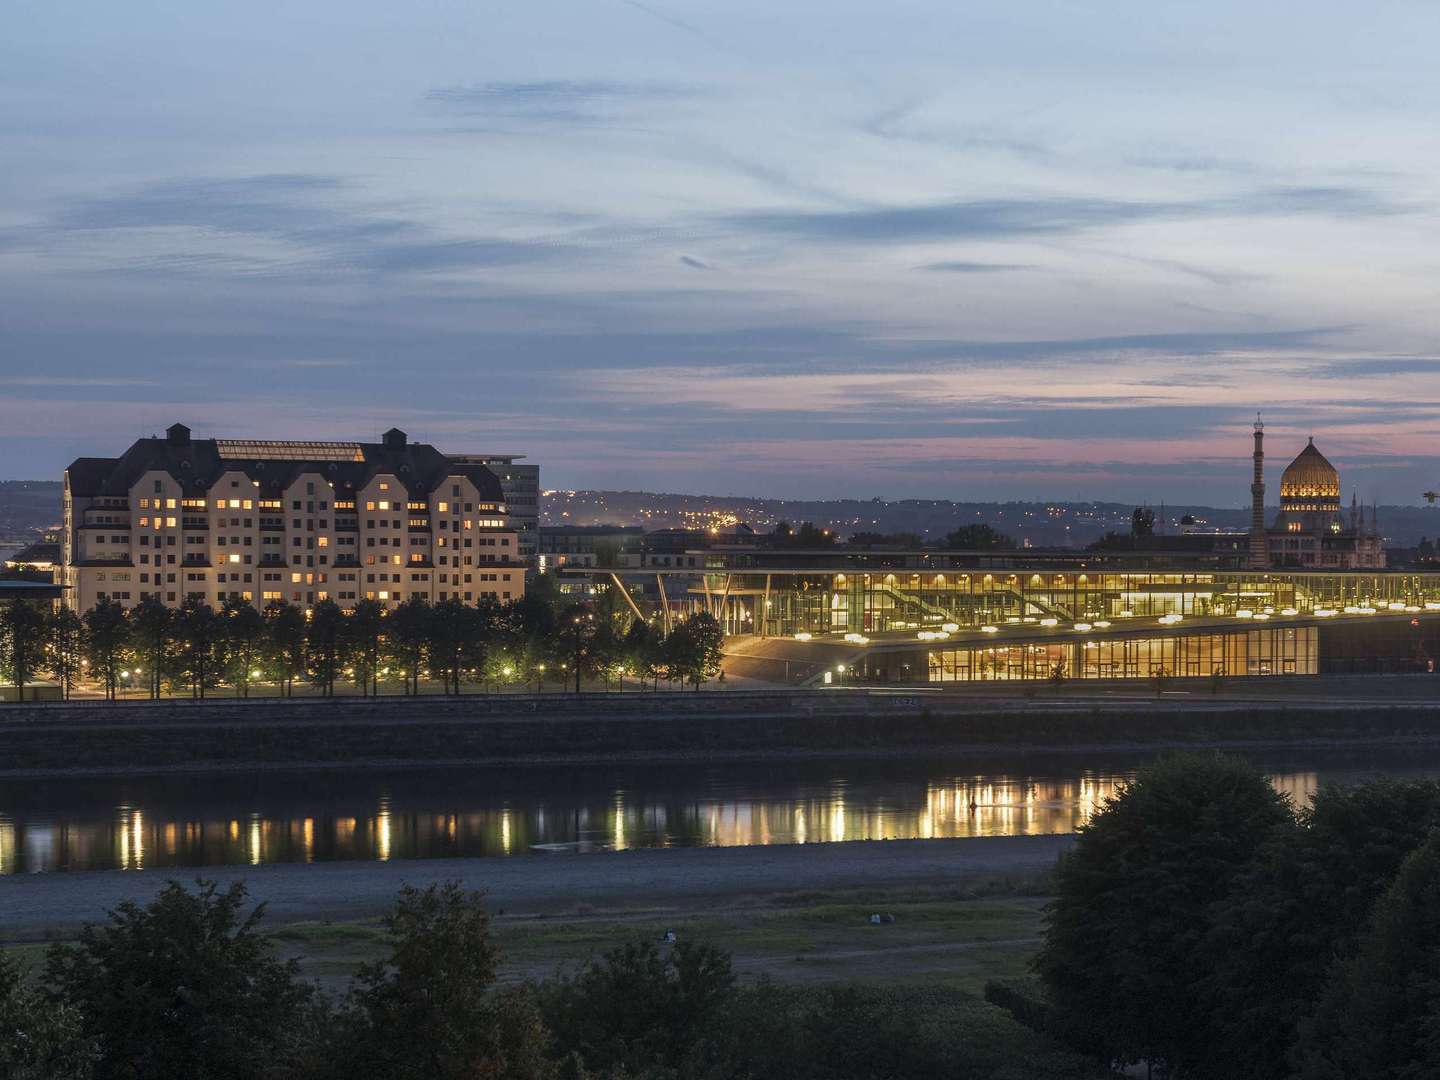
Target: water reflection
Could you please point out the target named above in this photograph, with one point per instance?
(182, 822)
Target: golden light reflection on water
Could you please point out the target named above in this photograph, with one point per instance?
(957, 806)
(382, 832)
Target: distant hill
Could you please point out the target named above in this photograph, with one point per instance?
(28, 507)
(1042, 524)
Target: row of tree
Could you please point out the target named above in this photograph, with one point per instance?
(196, 649)
(1205, 927)
(187, 986)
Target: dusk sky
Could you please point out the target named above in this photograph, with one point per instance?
(960, 250)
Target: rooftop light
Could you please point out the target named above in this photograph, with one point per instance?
(1049, 622)
(1082, 627)
(803, 636)
(1289, 611)
(989, 629)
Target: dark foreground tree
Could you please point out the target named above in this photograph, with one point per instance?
(430, 1010)
(1134, 898)
(1380, 1015)
(1304, 902)
(634, 1010)
(39, 1039)
(182, 987)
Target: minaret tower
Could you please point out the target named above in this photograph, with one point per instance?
(1259, 548)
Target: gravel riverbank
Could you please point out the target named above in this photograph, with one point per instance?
(37, 905)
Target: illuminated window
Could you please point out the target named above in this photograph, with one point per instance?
(294, 579)
(384, 486)
(442, 507)
(384, 595)
(323, 541)
(235, 556)
(384, 505)
(1294, 526)
(169, 504)
(169, 521)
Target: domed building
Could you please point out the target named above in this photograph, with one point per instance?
(1311, 530)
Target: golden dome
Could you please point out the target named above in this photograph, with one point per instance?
(1310, 476)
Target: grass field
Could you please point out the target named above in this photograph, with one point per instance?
(955, 939)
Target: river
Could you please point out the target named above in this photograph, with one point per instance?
(364, 814)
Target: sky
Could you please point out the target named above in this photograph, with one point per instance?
(982, 250)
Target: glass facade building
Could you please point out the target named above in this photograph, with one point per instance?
(925, 617)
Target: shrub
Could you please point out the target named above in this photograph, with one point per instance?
(1380, 1014)
(183, 986)
(1305, 901)
(1134, 898)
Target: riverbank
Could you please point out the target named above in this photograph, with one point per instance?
(48, 905)
(88, 738)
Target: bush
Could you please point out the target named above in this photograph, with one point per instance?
(430, 1011)
(40, 1040)
(633, 1010)
(184, 986)
(1305, 901)
(1380, 1014)
(1134, 898)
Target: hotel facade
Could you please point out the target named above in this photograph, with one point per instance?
(262, 522)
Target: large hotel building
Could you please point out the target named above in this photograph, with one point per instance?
(176, 518)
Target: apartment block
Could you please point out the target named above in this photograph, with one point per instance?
(521, 485)
(266, 521)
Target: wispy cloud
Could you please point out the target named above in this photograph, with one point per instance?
(694, 263)
(303, 223)
(1022, 218)
(554, 101)
(973, 267)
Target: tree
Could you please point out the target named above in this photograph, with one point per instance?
(106, 637)
(323, 645)
(1380, 1014)
(407, 628)
(574, 639)
(694, 649)
(184, 986)
(978, 537)
(40, 1040)
(899, 539)
(808, 535)
(429, 1010)
(1303, 903)
(641, 650)
(152, 640)
(67, 648)
(199, 652)
(364, 631)
(243, 629)
(1134, 900)
(24, 632)
(634, 1010)
(452, 625)
(1142, 523)
(284, 645)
